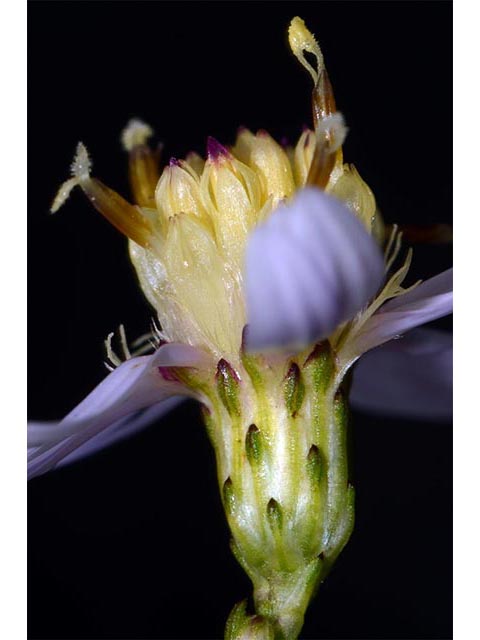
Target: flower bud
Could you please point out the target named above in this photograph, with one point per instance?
(178, 191)
(227, 385)
(294, 390)
(229, 496)
(321, 363)
(356, 194)
(315, 465)
(303, 155)
(241, 626)
(269, 160)
(274, 515)
(253, 445)
(232, 192)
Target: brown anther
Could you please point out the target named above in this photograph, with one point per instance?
(323, 105)
(324, 157)
(323, 100)
(323, 162)
(125, 217)
(143, 162)
(143, 172)
(426, 234)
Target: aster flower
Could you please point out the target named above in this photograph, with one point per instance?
(271, 274)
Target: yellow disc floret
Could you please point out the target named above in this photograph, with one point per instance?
(189, 224)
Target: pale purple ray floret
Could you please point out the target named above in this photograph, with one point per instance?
(135, 388)
(309, 268)
(410, 377)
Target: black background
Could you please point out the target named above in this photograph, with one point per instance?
(132, 543)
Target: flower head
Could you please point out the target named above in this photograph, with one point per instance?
(189, 226)
(288, 240)
(270, 273)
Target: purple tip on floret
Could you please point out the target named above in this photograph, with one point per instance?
(215, 150)
(284, 141)
(262, 133)
(174, 162)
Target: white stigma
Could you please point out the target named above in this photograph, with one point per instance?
(81, 164)
(80, 169)
(135, 133)
(333, 125)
